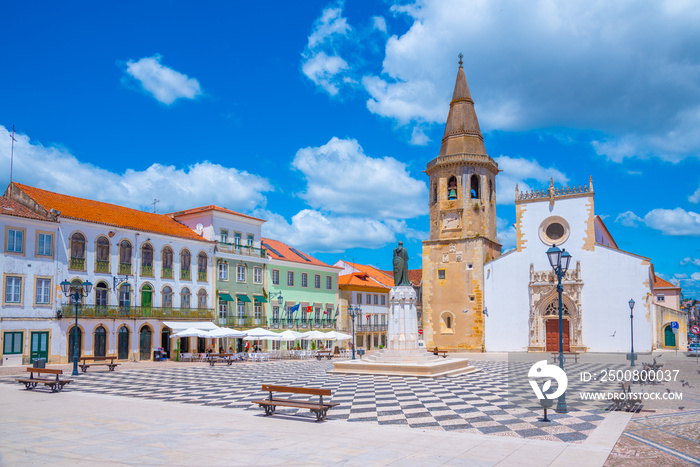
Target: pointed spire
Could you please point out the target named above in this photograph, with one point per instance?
(462, 132)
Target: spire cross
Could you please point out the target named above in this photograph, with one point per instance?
(460, 59)
(155, 201)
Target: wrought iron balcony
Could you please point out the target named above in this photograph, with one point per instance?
(101, 266)
(239, 322)
(146, 270)
(167, 273)
(185, 274)
(244, 250)
(301, 324)
(125, 269)
(77, 264)
(370, 327)
(202, 276)
(68, 311)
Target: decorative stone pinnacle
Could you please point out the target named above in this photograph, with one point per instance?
(460, 59)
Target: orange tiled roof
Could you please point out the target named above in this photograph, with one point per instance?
(109, 214)
(384, 278)
(360, 279)
(415, 276)
(660, 283)
(211, 207)
(10, 207)
(278, 250)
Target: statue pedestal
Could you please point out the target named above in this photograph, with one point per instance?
(402, 329)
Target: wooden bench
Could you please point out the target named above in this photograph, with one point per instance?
(555, 356)
(86, 362)
(56, 384)
(220, 357)
(324, 353)
(438, 352)
(319, 408)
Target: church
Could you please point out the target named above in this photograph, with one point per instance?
(475, 298)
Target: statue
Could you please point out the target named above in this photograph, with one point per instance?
(401, 266)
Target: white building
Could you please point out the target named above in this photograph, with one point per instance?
(520, 287)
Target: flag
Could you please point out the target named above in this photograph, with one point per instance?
(325, 312)
(367, 317)
(309, 309)
(292, 310)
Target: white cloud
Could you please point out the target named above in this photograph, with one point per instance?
(628, 219)
(165, 84)
(689, 260)
(329, 24)
(379, 23)
(537, 64)
(341, 179)
(674, 221)
(323, 71)
(522, 172)
(56, 169)
(695, 197)
(506, 234)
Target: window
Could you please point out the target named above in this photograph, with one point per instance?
(240, 272)
(369, 299)
(275, 313)
(147, 259)
(554, 230)
(251, 240)
(13, 289)
(101, 297)
(185, 264)
(317, 281)
(223, 308)
(77, 251)
(452, 188)
(102, 255)
(376, 299)
(12, 343)
(257, 275)
(359, 299)
(166, 262)
(167, 297)
(290, 278)
(240, 308)
(660, 298)
(448, 322)
(43, 291)
(257, 311)
(275, 277)
(329, 282)
(201, 299)
(185, 296)
(223, 235)
(15, 241)
(434, 193)
(237, 241)
(44, 244)
(475, 187)
(202, 261)
(124, 257)
(223, 271)
(441, 273)
(304, 279)
(490, 190)
(383, 299)
(125, 296)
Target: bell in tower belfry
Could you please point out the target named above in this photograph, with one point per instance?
(462, 181)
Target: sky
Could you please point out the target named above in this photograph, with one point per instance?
(320, 117)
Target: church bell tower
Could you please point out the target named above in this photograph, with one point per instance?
(462, 183)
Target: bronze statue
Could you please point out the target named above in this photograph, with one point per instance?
(401, 266)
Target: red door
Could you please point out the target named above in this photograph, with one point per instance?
(553, 335)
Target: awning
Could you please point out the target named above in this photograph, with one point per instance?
(243, 297)
(178, 326)
(225, 296)
(259, 298)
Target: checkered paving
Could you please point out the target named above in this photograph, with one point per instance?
(482, 402)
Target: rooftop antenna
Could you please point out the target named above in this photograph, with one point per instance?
(154, 204)
(12, 152)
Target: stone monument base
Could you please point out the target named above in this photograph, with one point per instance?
(419, 362)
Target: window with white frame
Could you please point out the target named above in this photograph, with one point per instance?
(185, 298)
(101, 294)
(257, 275)
(290, 278)
(223, 271)
(660, 298)
(15, 241)
(329, 282)
(251, 240)
(241, 309)
(44, 244)
(304, 279)
(317, 281)
(223, 308)
(43, 291)
(258, 312)
(223, 235)
(240, 272)
(275, 277)
(125, 296)
(13, 289)
(275, 313)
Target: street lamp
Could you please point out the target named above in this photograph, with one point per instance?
(559, 260)
(631, 356)
(354, 311)
(278, 296)
(76, 296)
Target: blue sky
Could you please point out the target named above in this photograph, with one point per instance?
(321, 116)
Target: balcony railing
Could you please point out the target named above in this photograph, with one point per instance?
(299, 324)
(136, 312)
(185, 274)
(101, 266)
(202, 276)
(370, 327)
(146, 270)
(242, 322)
(241, 250)
(167, 273)
(125, 269)
(77, 264)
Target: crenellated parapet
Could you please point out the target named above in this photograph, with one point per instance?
(551, 193)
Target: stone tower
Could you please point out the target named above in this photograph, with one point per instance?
(462, 229)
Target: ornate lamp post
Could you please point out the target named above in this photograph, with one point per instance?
(76, 297)
(354, 311)
(278, 296)
(631, 356)
(559, 260)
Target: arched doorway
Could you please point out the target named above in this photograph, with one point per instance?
(165, 341)
(552, 329)
(123, 343)
(145, 343)
(669, 337)
(100, 342)
(71, 343)
(146, 297)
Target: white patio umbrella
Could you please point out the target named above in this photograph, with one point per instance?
(226, 332)
(290, 335)
(338, 336)
(191, 332)
(316, 335)
(260, 333)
